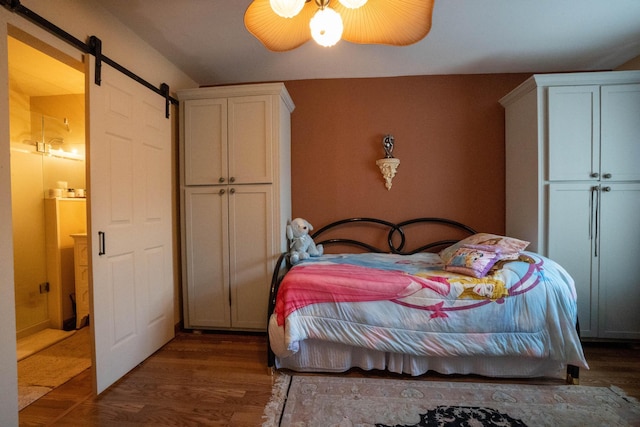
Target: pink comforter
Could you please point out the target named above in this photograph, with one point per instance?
(347, 283)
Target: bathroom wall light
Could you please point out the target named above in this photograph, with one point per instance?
(389, 165)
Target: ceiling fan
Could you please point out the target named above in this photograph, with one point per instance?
(283, 25)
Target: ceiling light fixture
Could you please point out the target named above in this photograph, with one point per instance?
(326, 25)
(283, 25)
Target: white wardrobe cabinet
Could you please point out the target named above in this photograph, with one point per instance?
(573, 188)
(235, 199)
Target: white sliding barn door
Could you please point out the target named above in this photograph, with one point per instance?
(130, 224)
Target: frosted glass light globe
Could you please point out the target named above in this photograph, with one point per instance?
(287, 8)
(353, 4)
(326, 27)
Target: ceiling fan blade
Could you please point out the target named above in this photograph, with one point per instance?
(390, 22)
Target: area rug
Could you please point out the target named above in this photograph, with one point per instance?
(333, 401)
(42, 372)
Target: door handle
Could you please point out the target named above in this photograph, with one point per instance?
(102, 245)
(594, 212)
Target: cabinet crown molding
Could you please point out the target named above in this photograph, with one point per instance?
(570, 79)
(231, 91)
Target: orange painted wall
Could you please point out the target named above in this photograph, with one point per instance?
(449, 137)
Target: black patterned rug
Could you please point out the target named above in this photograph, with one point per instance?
(340, 401)
(462, 416)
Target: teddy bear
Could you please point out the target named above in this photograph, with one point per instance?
(301, 245)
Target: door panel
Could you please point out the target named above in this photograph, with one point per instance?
(130, 205)
(250, 120)
(572, 237)
(205, 141)
(574, 132)
(251, 245)
(119, 152)
(620, 130)
(619, 266)
(121, 296)
(207, 256)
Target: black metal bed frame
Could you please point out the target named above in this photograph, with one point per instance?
(394, 229)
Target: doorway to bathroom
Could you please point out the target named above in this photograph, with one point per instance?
(48, 193)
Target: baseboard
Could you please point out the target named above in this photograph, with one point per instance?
(45, 324)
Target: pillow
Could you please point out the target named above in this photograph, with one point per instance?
(509, 247)
(473, 260)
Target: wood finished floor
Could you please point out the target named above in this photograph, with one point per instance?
(222, 380)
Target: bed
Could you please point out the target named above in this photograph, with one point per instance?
(465, 303)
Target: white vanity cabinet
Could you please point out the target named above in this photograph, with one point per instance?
(235, 200)
(573, 188)
(81, 273)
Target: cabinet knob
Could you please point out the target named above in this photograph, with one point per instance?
(232, 191)
(221, 192)
(594, 174)
(232, 179)
(606, 189)
(221, 180)
(606, 176)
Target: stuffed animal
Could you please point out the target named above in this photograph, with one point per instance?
(301, 245)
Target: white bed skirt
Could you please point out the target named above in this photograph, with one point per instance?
(322, 356)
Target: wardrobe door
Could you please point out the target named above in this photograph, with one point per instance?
(205, 141)
(619, 263)
(574, 132)
(207, 259)
(251, 241)
(251, 139)
(572, 244)
(620, 138)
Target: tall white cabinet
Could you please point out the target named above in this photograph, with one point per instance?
(235, 177)
(573, 188)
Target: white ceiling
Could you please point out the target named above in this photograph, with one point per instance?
(207, 40)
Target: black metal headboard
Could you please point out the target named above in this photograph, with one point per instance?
(396, 238)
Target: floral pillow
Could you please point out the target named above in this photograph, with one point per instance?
(473, 260)
(510, 247)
